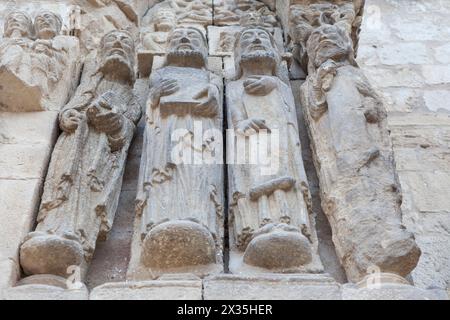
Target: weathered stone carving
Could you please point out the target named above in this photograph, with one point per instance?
(240, 12)
(353, 155)
(85, 174)
(38, 66)
(268, 208)
(179, 205)
(309, 15)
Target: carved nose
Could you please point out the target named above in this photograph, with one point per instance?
(184, 40)
(257, 41)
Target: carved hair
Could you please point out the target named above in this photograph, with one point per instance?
(55, 15)
(237, 52)
(27, 17)
(205, 42)
(343, 42)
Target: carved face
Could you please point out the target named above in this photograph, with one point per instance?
(255, 42)
(47, 24)
(255, 51)
(118, 53)
(186, 43)
(18, 22)
(117, 45)
(165, 20)
(328, 42)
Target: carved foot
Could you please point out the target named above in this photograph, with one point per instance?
(43, 253)
(178, 244)
(278, 248)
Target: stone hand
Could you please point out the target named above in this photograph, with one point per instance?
(165, 88)
(209, 108)
(108, 122)
(70, 120)
(259, 85)
(325, 75)
(246, 127)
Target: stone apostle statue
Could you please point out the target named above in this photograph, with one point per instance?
(84, 179)
(269, 209)
(352, 149)
(179, 203)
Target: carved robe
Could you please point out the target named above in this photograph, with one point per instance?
(359, 185)
(83, 183)
(250, 209)
(169, 191)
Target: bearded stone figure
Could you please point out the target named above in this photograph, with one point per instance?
(38, 66)
(179, 204)
(353, 155)
(268, 206)
(84, 179)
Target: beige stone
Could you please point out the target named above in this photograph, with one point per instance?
(269, 200)
(39, 67)
(353, 153)
(271, 286)
(175, 288)
(179, 221)
(85, 175)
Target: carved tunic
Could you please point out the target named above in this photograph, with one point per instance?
(85, 175)
(278, 110)
(170, 191)
(359, 186)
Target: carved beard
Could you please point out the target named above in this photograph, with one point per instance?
(117, 67)
(326, 52)
(189, 58)
(258, 59)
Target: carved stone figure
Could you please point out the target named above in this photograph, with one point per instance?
(179, 205)
(85, 174)
(164, 23)
(193, 11)
(268, 209)
(304, 18)
(353, 155)
(233, 12)
(40, 74)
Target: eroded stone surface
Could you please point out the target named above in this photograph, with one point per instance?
(85, 175)
(353, 153)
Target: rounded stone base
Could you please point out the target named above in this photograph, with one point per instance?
(50, 254)
(178, 244)
(278, 250)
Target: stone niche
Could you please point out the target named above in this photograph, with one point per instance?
(150, 189)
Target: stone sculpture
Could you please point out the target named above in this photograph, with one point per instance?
(353, 155)
(269, 210)
(179, 222)
(85, 174)
(38, 67)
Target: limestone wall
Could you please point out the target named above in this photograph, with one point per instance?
(404, 50)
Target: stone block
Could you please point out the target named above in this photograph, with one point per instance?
(43, 292)
(404, 53)
(166, 288)
(20, 161)
(9, 273)
(271, 287)
(28, 127)
(19, 202)
(391, 292)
